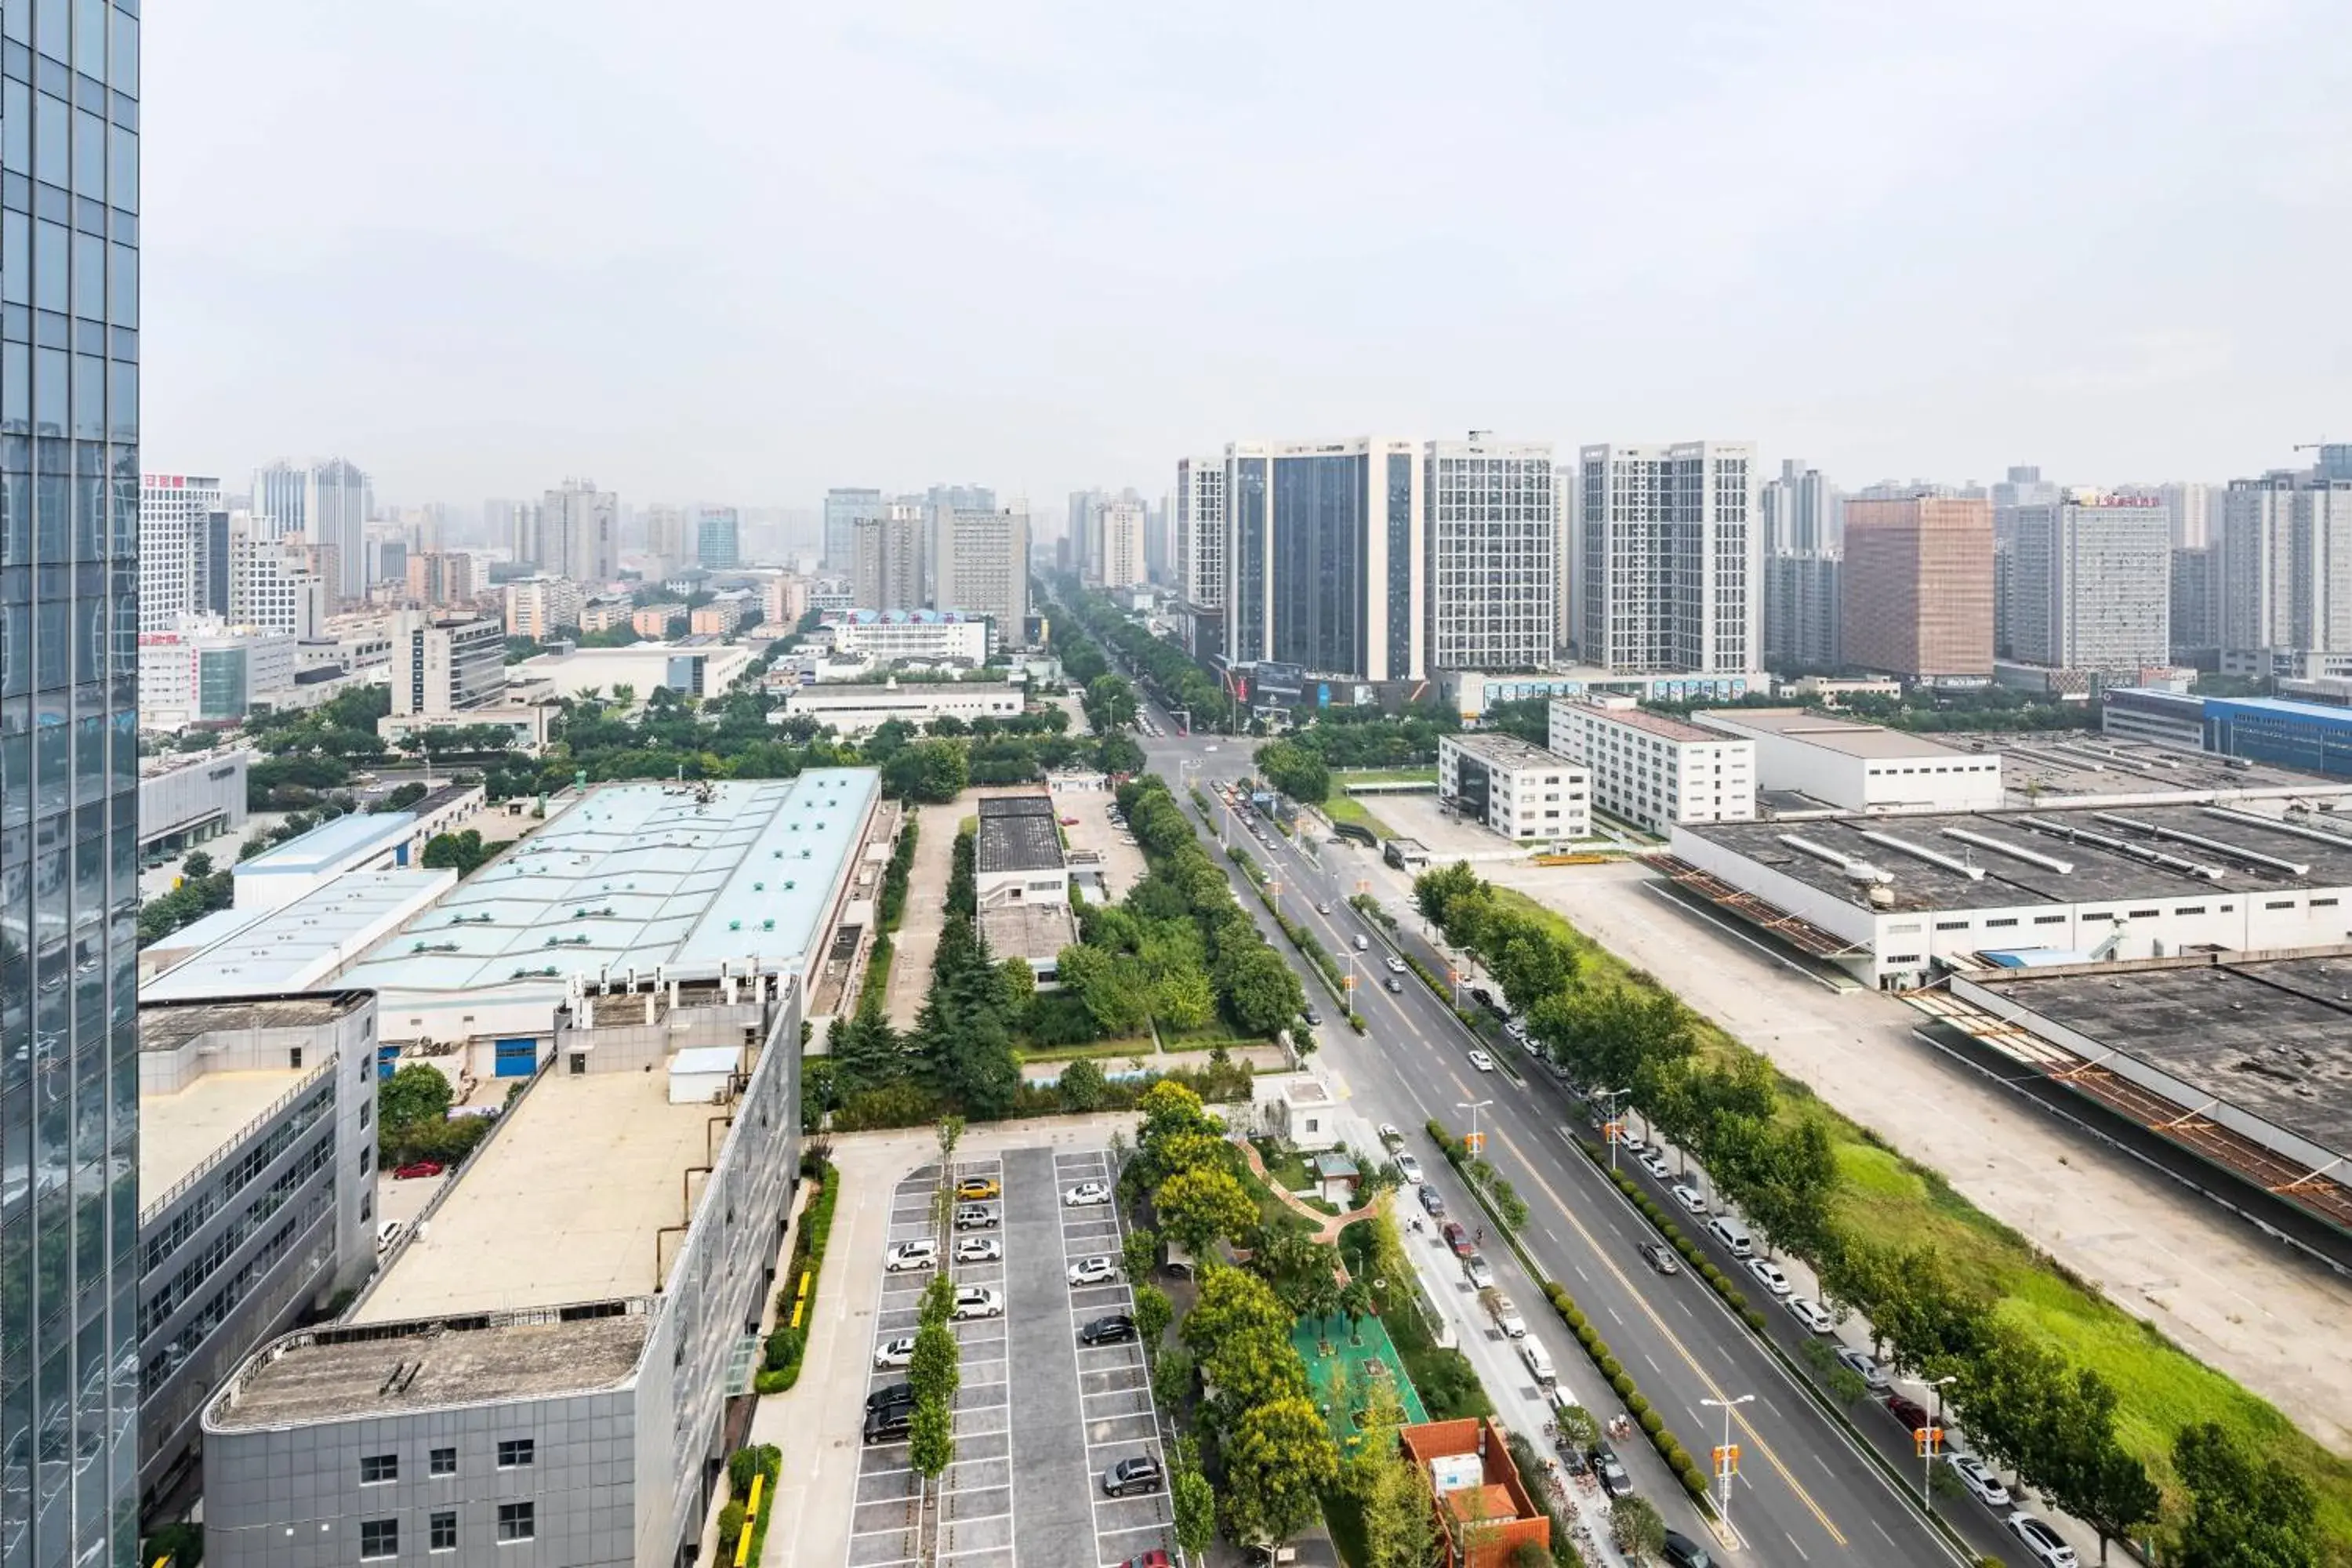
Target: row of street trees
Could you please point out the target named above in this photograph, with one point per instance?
(2026, 1406)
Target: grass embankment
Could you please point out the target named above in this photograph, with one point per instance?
(1348, 809)
(1889, 1200)
(1341, 779)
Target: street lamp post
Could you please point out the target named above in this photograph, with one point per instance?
(1477, 1144)
(1727, 1459)
(1934, 1439)
(1610, 1122)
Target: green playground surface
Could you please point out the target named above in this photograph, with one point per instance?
(1340, 1363)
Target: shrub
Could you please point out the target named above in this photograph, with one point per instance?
(1696, 1485)
(1650, 1419)
(1637, 1406)
(1739, 1302)
(1755, 1319)
(1622, 1384)
(1609, 1367)
(731, 1529)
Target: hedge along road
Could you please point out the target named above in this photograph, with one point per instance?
(1805, 1495)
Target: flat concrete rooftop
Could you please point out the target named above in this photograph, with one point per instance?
(1039, 931)
(333, 1374)
(1850, 737)
(180, 1131)
(2096, 873)
(2271, 1035)
(2060, 764)
(561, 1206)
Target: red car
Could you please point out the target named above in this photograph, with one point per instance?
(1155, 1558)
(1456, 1237)
(1910, 1412)
(418, 1168)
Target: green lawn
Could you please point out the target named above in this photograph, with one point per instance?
(1343, 779)
(1271, 1209)
(1345, 808)
(1122, 1049)
(1887, 1199)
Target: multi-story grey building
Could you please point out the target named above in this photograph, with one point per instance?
(542, 1382)
(2196, 625)
(326, 504)
(68, 788)
(1200, 530)
(2286, 563)
(886, 571)
(2091, 583)
(175, 512)
(447, 664)
(256, 1177)
(843, 508)
(1672, 558)
(2022, 487)
(1323, 554)
(982, 568)
(1798, 513)
(1490, 570)
(578, 532)
(1803, 613)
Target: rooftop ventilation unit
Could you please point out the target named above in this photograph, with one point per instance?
(2219, 847)
(1921, 852)
(1852, 868)
(2122, 846)
(2014, 851)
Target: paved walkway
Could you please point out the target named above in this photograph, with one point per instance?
(916, 941)
(1327, 1226)
(2205, 1280)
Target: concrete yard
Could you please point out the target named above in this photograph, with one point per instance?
(917, 942)
(2205, 1280)
(1120, 866)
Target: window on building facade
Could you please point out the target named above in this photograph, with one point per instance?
(518, 1520)
(516, 1452)
(377, 1469)
(379, 1537)
(443, 1462)
(445, 1530)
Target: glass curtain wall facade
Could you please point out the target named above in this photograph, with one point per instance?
(69, 488)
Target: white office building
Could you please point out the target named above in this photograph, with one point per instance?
(2286, 563)
(1201, 530)
(176, 512)
(537, 607)
(447, 664)
(930, 636)
(205, 672)
(1491, 571)
(274, 581)
(1526, 794)
(325, 504)
(2090, 584)
(1653, 770)
(1671, 569)
(852, 710)
(1855, 766)
(980, 566)
(1118, 561)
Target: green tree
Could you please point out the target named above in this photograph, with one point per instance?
(935, 1369)
(1278, 1457)
(465, 852)
(2245, 1509)
(931, 1439)
(1139, 1254)
(933, 772)
(936, 1303)
(1082, 1086)
(198, 866)
(1636, 1527)
(1294, 769)
(1172, 1377)
(417, 1094)
(1169, 1108)
(1199, 1205)
(1261, 992)
(1153, 1313)
(1196, 1512)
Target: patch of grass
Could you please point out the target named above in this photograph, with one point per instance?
(1343, 1515)
(1341, 779)
(1270, 1208)
(1345, 808)
(1121, 1050)
(1288, 1170)
(1888, 1199)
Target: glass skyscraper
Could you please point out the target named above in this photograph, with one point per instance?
(68, 786)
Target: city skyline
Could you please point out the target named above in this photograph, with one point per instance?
(1901, 301)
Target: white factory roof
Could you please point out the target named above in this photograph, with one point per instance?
(1848, 736)
(641, 875)
(296, 946)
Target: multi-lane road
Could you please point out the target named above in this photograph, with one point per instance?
(1804, 1493)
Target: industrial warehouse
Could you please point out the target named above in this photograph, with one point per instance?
(1891, 898)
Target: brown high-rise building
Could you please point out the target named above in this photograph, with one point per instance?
(1918, 586)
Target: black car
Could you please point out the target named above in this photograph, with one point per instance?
(893, 1394)
(1612, 1475)
(1682, 1552)
(1310, 1015)
(1131, 1477)
(892, 1424)
(1485, 998)
(1395, 985)
(1659, 1257)
(1117, 1328)
(1431, 1201)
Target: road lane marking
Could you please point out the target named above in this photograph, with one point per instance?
(1641, 1300)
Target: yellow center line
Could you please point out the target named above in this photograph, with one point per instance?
(1641, 1300)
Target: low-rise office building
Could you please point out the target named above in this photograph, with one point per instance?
(2161, 718)
(1524, 792)
(932, 636)
(1022, 882)
(1855, 766)
(188, 798)
(257, 1189)
(855, 709)
(541, 1376)
(1653, 770)
(701, 669)
(208, 673)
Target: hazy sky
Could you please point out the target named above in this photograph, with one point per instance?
(742, 251)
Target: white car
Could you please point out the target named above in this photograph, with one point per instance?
(1388, 1135)
(1768, 1274)
(1630, 1141)
(1409, 1168)
(1516, 1029)
(1482, 1061)
(1860, 1363)
(979, 1249)
(1481, 1273)
(977, 1302)
(2041, 1540)
(910, 1254)
(388, 1233)
(1689, 1197)
(1093, 1271)
(1087, 1194)
(899, 1352)
(1811, 1313)
(1396, 964)
(1976, 1476)
(1507, 1319)
(1655, 1164)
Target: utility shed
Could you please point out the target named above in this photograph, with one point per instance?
(700, 1074)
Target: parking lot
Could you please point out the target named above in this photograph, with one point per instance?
(1121, 864)
(1040, 1414)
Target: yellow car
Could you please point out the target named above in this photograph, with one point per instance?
(977, 1189)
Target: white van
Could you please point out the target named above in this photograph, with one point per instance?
(1733, 1234)
(1538, 1361)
